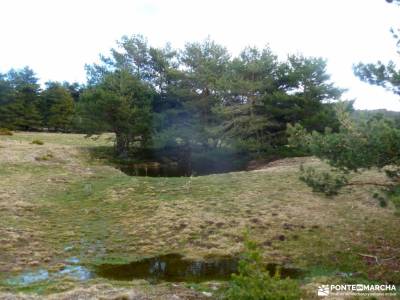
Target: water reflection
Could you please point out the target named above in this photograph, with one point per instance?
(174, 267)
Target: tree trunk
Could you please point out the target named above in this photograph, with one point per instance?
(121, 145)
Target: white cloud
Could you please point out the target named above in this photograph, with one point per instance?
(56, 38)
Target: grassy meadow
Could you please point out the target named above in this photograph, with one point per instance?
(58, 201)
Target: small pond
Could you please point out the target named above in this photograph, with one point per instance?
(179, 169)
(174, 267)
(178, 161)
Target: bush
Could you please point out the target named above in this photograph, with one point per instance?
(394, 196)
(255, 283)
(45, 157)
(37, 142)
(328, 183)
(5, 131)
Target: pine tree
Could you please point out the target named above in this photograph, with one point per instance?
(19, 109)
(120, 103)
(57, 106)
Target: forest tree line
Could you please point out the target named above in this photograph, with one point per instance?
(24, 105)
(199, 96)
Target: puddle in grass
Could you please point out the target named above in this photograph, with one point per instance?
(71, 270)
(29, 278)
(169, 267)
(174, 267)
(76, 272)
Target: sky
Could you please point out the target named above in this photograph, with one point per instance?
(56, 38)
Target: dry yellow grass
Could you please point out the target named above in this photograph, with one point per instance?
(54, 196)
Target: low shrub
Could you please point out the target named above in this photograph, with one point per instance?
(325, 182)
(381, 198)
(5, 131)
(394, 197)
(45, 157)
(37, 142)
(254, 281)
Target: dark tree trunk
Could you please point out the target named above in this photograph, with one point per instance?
(187, 158)
(122, 145)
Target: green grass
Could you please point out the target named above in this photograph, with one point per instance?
(70, 139)
(71, 200)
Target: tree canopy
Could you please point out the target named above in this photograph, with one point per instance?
(196, 97)
(119, 103)
(24, 105)
(367, 141)
(204, 97)
(380, 74)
